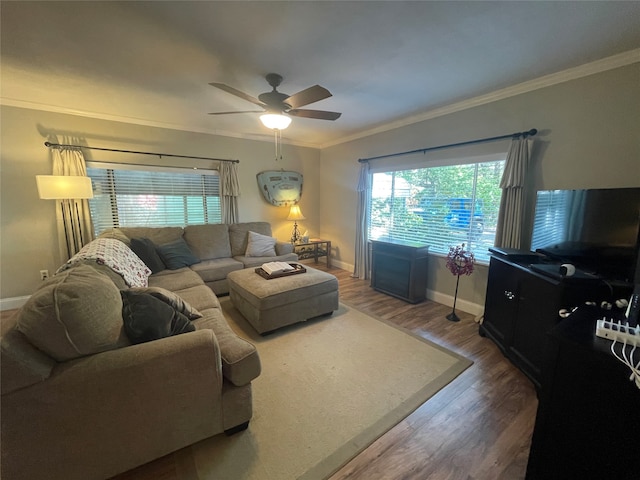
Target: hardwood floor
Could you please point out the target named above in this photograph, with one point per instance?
(477, 428)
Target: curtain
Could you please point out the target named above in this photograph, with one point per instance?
(73, 216)
(514, 177)
(361, 265)
(229, 192)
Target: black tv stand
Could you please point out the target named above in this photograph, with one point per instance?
(522, 305)
(588, 416)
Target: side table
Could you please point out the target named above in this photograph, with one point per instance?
(314, 248)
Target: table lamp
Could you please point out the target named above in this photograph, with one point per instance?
(295, 214)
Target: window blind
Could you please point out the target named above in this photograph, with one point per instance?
(550, 220)
(438, 206)
(130, 196)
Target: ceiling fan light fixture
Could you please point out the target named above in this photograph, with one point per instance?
(275, 121)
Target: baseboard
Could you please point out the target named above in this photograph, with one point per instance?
(463, 305)
(12, 303)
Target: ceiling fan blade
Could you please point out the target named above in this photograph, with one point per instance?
(237, 93)
(307, 96)
(318, 114)
(242, 111)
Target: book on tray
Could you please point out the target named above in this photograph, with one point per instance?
(272, 268)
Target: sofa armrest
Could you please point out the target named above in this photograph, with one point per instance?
(283, 248)
(131, 404)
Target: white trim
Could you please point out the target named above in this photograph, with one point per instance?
(598, 66)
(13, 303)
(434, 296)
(12, 102)
(464, 305)
(602, 65)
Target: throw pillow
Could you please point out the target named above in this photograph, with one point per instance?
(146, 318)
(73, 314)
(171, 299)
(260, 245)
(177, 254)
(146, 250)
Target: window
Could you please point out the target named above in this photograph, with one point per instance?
(438, 206)
(131, 195)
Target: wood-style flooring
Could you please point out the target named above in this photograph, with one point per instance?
(477, 428)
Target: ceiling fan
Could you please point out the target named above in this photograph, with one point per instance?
(278, 103)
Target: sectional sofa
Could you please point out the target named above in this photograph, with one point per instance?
(81, 400)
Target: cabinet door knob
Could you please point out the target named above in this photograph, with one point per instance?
(509, 295)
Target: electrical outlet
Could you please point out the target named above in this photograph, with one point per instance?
(44, 274)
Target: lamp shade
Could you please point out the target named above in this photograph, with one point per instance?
(295, 213)
(275, 121)
(60, 187)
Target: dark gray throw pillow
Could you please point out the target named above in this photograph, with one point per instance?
(177, 254)
(147, 318)
(146, 250)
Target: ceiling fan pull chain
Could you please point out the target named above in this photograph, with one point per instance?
(275, 141)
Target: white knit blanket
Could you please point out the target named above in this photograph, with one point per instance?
(115, 255)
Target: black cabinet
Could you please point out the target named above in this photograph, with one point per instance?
(522, 305)
(399, 269)
(588, 421)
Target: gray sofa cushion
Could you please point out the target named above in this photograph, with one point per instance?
(158, 235)
(208, 241)
(240, 359)
(175, 280)
(216, 269)
(75, 313)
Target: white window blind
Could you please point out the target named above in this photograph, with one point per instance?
(127, 195)
(550, 220)
(438, 206)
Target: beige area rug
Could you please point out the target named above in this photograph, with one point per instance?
(329, 388)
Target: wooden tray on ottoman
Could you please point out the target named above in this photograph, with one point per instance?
(297, 268)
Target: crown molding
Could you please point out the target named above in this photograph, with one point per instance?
(598, 66)
(11, 102)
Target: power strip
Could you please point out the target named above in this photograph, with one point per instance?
(618, 331)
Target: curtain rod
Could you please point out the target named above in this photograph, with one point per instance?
(160, 155)
(531, 133)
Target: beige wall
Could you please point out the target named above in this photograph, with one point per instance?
(28, 224)
(589, 137)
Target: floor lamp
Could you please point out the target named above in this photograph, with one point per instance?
(67, 189)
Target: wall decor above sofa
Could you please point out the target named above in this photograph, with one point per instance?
(280, 188)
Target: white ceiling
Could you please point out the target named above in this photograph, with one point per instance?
(386, 63)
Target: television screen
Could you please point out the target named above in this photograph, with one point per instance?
(597, 228)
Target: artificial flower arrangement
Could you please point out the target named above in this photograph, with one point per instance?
(459, 262)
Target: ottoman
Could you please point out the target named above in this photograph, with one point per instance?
(274, 303)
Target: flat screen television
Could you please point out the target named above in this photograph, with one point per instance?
(598, 230)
